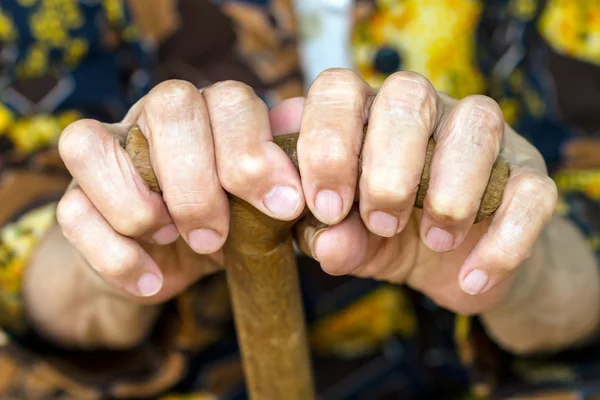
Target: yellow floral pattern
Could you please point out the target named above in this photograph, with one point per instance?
(115, 10)
(26, 3)
(572, 27)
(365, 324)
(6, 118)
(444, 54)
(17, 241)
(52, 24)
(586, 181)
(33, 133)
(523, 9)
(8, 33)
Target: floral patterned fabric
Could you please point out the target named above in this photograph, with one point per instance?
(61, 60)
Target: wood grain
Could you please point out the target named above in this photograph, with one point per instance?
(269, 318)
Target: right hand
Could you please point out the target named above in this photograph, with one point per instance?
(152, 247)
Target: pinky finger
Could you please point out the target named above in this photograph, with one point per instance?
(529, 202)
(119, 260)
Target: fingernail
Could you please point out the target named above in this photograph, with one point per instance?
(329, 206)
(149, 284)
(439, 239)
(311, 237)
(475, 282)
(315, 248)
(166, 235)
(205, 241)
(383, 224)
(282, 201)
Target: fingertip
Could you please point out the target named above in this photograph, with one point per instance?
(149, 284)
(205, 241)
(283, 202)
(165, 235)
(383, 224)
(286, 116)
(329, 206)
(341, 249)
(443, 234)
(439, 240)
(326, 251)
(475, 282)
(149, 281)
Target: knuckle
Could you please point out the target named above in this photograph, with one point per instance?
(339, 91)
(383, 189)
(446, 208)
(231, 93)
(416, 86)
(78, 140)
(509, 255)
(232, 85)
(411, 95)
(540, 188)
(173, 92)
(246, 170)
(170, 97)
(118, 263)
(71, 211)
(329, 157)
(190, 206)
(138, 221)
(337, 76)
(233, 106)
(337, 87)
(486, 111)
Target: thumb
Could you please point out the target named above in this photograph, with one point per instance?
(340, 249)
(306, 231)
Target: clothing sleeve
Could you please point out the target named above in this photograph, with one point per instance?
(18, 240)
(31, 182)
(493, 369)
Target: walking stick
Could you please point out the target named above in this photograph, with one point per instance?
(263, 280)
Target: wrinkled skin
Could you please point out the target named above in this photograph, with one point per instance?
(148, 248)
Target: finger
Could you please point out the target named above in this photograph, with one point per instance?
(467, 145)
(403, 117)
(529, 202)
(305, 233)
(249, 164)
(93, 154)
(286, 116)
(331, 136)
(176, 123)
(119, 260)
(340, 249)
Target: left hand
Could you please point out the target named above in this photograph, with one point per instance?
(438, 250)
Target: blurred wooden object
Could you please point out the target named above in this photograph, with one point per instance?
(157, 19)
(582, 153)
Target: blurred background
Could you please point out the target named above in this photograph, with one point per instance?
(62, 60)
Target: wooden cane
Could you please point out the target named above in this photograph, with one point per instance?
(263, 280)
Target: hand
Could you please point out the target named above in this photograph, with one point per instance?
(438, 250)
(152, 247)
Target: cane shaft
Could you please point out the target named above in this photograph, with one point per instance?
(267, 306)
